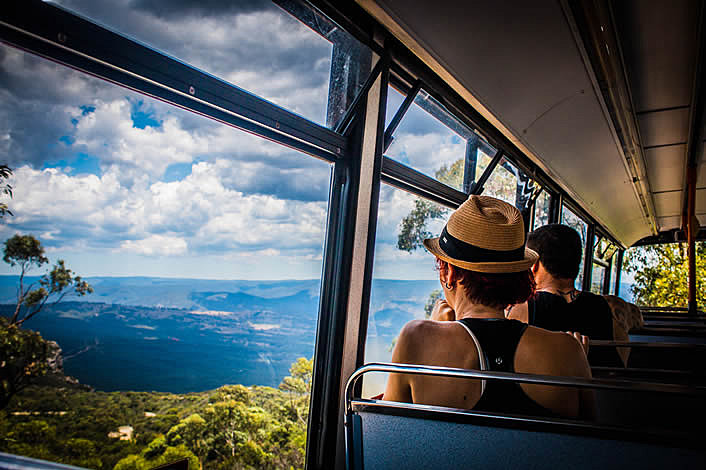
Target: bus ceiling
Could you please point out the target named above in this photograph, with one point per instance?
(607, 98)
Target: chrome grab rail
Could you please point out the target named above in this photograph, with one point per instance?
(644, 344)
(606, 384)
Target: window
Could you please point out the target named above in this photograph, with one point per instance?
(597, 278)
(509, 183)
(541, 210)
(405, 281)
(203, 245)
(613, 273)
(572, 220)
(603, 252)
(434, 142)
(260, 46)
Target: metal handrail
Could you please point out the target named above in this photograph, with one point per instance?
(608, 384)
(644, 344)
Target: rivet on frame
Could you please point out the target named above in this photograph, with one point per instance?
(192, 90)
(62, 38)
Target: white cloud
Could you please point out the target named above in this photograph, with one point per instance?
(427, 152)
(156, 245)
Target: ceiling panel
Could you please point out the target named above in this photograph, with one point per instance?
(667, 204)
(658, 44)
(669, 223)
(520, 61)
(665, 167)
(664, 127)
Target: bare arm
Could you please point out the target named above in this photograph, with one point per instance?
(398, 386)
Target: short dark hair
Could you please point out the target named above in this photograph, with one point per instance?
(494, 290)
(559, 248)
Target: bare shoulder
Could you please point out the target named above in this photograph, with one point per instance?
(554, 352)
(413, 335)
(421, 341)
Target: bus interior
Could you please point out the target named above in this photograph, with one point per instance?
(588, 113)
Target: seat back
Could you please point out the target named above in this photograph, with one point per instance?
(405, 437)
(382, 435)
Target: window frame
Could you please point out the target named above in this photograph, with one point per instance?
(61, 36)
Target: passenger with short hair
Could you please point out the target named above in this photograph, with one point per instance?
(483, 268)
(558, 305)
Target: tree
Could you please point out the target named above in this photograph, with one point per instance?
(661, 274)
(23, 356)
(6, 189)
(27, 252)
(413, 227)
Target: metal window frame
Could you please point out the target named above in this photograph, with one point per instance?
(64, 37)
(73, 41)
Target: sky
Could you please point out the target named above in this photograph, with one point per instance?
(119, 184)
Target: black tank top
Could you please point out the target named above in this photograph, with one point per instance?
(589, 314)
(498, 340)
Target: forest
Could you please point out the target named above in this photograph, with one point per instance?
(233, 427)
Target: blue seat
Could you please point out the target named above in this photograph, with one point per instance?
(385, 435)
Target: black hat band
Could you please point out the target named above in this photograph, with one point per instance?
(463, 251)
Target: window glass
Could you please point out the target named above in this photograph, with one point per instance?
(613, 272)
(509, 183)
(405, 281)
(597, 278)
(432, 141)
(257, 45)
(203, 247)
(572, 220)
(541, 210)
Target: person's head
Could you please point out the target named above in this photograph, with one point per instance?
(495, 290)
(559, 249)
(484, 242)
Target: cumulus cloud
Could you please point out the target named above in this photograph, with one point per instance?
(254, 44)
(197, 213)
(156, 245)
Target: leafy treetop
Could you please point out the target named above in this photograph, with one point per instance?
(27, 252)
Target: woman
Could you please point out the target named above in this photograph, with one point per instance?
(483, 268)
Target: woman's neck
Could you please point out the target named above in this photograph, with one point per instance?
(464, 308)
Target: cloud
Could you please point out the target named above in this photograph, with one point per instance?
(253, 45)
(156, 245)
(91, 158)
(197, 214)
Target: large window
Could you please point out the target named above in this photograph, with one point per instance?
(405, 282)
(203, 247)
(434, 142)
(572, 220)
(541, 210)
(260, 46)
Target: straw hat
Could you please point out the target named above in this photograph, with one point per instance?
(484, 235)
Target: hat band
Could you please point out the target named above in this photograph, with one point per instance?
(462, 251)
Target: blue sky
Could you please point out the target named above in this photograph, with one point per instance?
(119, 184)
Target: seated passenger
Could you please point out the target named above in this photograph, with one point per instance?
(557, 304)
(484, 267)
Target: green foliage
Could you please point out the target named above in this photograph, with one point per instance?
(300, 380)
(232, 427)
(27, 252)
(23, 356)
(431, 301)
(156, 454)
(661, 274)
(413, 227)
